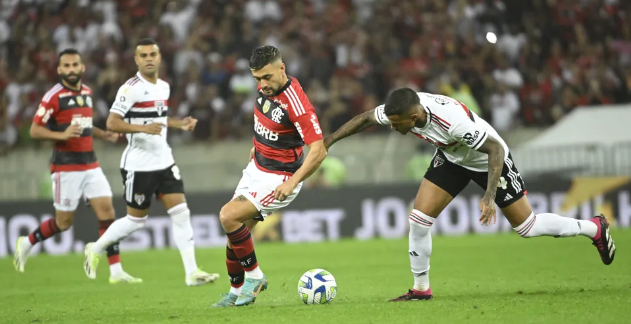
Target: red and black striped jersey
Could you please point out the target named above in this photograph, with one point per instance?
(283, 124)
(61, 107)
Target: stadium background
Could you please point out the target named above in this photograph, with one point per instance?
(556, 85)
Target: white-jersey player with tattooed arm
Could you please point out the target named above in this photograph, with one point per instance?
(147, 165)
(468, 148)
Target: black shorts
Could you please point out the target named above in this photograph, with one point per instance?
(453, 178)
(140, 186)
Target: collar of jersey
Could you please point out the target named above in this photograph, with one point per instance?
(429, 120)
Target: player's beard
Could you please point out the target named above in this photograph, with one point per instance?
(72, 78)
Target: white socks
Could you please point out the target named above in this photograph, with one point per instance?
(119, 230)
(116, 269)
(236, 291)
(183, 236)
(254, 274)
(548, 224)
(420, 250)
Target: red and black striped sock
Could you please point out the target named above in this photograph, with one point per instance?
(44, 231)
(113, 254)
(235, 269)
(243, 247)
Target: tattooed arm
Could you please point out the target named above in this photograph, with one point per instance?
(356, 125)
(495, 151)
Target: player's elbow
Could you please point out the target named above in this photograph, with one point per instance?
(110, 124)
(33, 132)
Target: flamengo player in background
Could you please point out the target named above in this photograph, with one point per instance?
(468, 148)
(284, 121)
(65, 116)
(147, 165)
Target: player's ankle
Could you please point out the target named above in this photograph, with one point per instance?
(116, 269)
(255, 273)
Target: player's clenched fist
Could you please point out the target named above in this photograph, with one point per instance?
(153, 128)
(73, 131)
(189, 123)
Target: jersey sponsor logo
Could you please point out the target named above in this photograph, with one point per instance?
(122, 99)
(41, 111)
(438, 161)
(299, 129)
(281, 104)
(316, 125)
(470, 139)
(264, 131)
(266, 106)
(83, 122)
(44, 113)
(277, 113)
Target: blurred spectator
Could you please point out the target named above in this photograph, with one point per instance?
(504, 108)
(550, 57)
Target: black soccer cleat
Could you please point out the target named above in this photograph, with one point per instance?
(414, 294)
(603, 241)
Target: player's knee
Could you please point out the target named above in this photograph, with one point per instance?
(226, 215)
(63, 223)
(180, 213)
(420, 223)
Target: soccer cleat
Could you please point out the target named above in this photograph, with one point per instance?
(414, 294)
(21, 253)
(90, 261)
(200, 277)
(250, 291)
(124, 277)
(603, 241)
(227, 300)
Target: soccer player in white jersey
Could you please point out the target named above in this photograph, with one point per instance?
(147, 165)
(468, 148)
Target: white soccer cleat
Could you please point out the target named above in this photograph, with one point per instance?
(22, 249)
(90, 261)
(200, 277)
(124, 277)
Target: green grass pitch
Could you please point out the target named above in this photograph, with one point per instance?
(475, 279)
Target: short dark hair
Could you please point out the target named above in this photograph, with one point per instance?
(67, 51)
(146, 41)
(401, 101)
(263, 56)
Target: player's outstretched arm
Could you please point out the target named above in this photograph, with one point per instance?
(40, 132)
(115, 123)
(356, 125)
(187, 124)
(495, 151)
(317, 153)
(105, 135)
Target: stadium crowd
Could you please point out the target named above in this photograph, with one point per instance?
(550, 55)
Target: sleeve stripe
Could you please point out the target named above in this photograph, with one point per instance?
(118, 111)
(292, 103)
(480, 141)
(299, 108)
(52, 92)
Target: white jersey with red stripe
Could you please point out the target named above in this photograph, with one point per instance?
(142, 102)
(453, 129)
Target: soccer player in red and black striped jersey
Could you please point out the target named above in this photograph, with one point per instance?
(284, 121)
(65, 116)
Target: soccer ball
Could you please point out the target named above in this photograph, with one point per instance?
(317, 286)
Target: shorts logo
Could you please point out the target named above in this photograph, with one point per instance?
(438, 161)
(66, 202)
(139, 198)
(470, 139)
(502, 183)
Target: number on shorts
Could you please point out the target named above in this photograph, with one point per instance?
(176, 172)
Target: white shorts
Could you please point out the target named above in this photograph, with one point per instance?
(70, 187)
(258, 187)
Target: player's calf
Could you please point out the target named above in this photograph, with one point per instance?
(61, 222)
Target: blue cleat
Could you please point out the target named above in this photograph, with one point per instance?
(250, 291)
